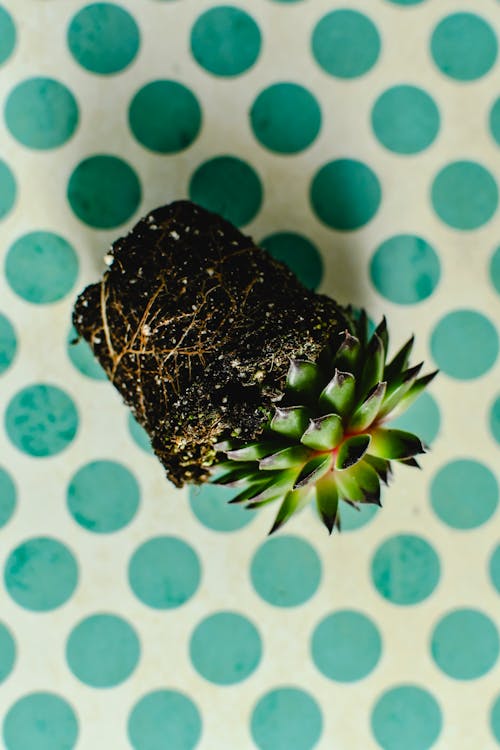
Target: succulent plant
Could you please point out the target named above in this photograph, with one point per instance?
(328, 438)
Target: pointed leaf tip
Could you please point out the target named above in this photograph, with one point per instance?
(303, 377)
(373, 369)
(383, 334)
(327, 501)
(411, 395)
(338, 394)
(410, 462)
(399, 361)
(290, 421)
(347, 352)
(367, 412)
(395, 444)
(293, 501)
(323, 433)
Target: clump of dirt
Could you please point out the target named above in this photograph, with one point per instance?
(195, 326)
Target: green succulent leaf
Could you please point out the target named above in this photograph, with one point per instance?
(381, 465)
(348, 487)
(383, 334)
(361, 328)
(291, 421)
(395, 444)
(351, 451)
(338, 394)
(235, 476)
(414, 392)
(348, 352)
(254, 451)
(303, 378)
(323, 433)
(314, 470)
(366, 413)
(368, 481)
(282, 482)
(327, 500)
(398, 388)
(399, 362)
(253, 489)
(292, 502)
(373, 369)
(294, 455)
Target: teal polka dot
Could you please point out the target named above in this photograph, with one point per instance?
(80, 355)
(210, 505)
(225, 41)
(164, 572)
(422, 418)
(40, 721)
(104, 191)
(8, 189)
(447, 344)
(165, 116)
(495, 719)
(405, 269)
(7, 652)
(139, 435)
(41, 113)
(464, 494)
(227, 186)
(353, 519)
(405, 569)
(346, 646)
(103, 38)
(41, 267)
(225, 648)
(464, 46)
(285, 118)
(102, 650)
(495, 121)
(405, 119)
(286, 571)
(406, 717)
(299, 254)
(495, 419)
(495, 269)
(346, 44)
(8, 495)
(164, 719)
(8, 344)
(41, 420)
(495, 568)
(103, 496)
(464, 195)
(41, 574)
(345, 194)
(286, 718)
(7, 35)
(465, 644)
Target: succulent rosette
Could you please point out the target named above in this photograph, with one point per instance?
(328, 438)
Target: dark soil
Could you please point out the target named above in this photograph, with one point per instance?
(194, 325)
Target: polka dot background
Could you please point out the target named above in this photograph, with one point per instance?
(358, 143)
